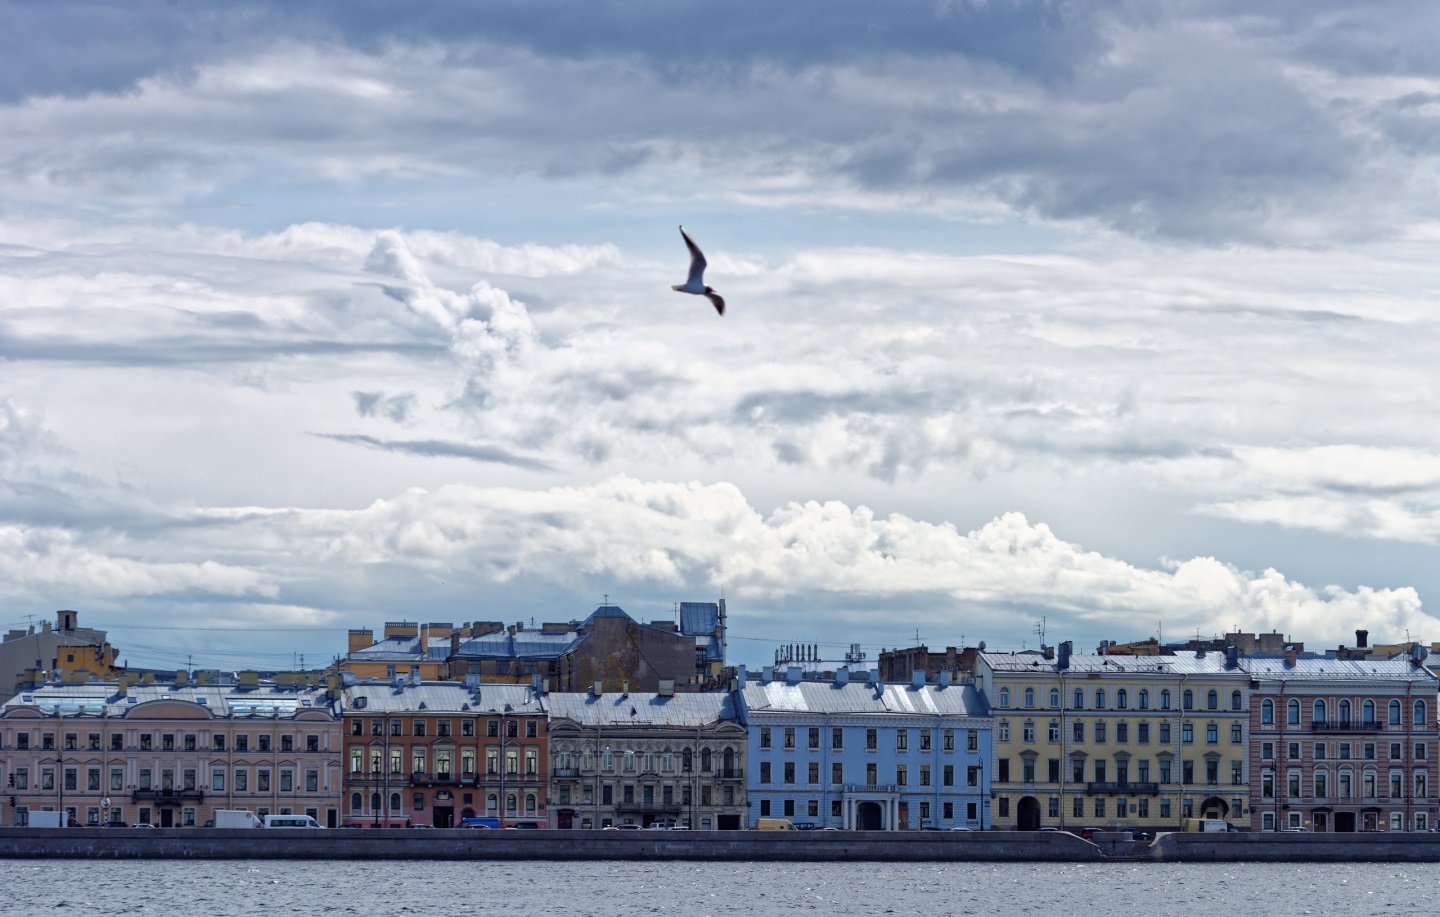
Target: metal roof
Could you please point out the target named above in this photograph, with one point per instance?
(440, 697)
(643, 709)
(698, 618)
(97, 698)
(403, 649)
(525, 644)
(860, 697)
(1354, 671)
(1212, 663)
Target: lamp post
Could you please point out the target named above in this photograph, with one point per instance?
(504, 762)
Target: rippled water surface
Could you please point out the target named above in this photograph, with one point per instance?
(251, 887)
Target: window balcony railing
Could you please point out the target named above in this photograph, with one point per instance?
(1345, 726)
(1129, 789)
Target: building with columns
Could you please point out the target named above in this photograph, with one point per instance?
(862, 754)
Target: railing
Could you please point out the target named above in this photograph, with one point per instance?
(650, 808)
(1345, 726)
(1130, 789)
(168, 797)
(872, 788)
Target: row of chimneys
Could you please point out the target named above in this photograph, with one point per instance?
(795, 674)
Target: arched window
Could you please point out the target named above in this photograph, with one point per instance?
(687, 760)
(1344, 713)
(729, 761)
(1235, 702)
(1122, 699)
(1029, 697)
(1267, 712)
(1292, 712)
(1099, 698)
(355, 802)
(530, 803)
(1419, 716)
(1212, 699)
(704, 760)
(1144, 699)
(1054, 698)
(509, 802)
(1394, 713)
(1187, 700)
(394, 802)
(1004, 697)
(1078, 702)
(374, 802)
(1367, 713)
(1318, 714)
(1165, 699)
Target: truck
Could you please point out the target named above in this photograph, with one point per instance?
(46, 819)
(479, 821)
(1207, 825)
(290, 821)
(236, 818)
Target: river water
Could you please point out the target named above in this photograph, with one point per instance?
(250, 888)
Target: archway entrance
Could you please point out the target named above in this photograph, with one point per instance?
(1320, 819)
(1028, 814)
(1344, 822)
(1214, 807)
(868, 817)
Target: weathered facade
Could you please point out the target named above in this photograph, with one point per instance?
(645, 758)
(169, 754)
(432, 753)
(55, 653)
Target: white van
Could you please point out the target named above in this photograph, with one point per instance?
(290, 821)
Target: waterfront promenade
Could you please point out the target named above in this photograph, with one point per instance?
(820, 846)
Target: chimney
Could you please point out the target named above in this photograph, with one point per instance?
(793, 674)
(360, 639)
(945, 678)
(666, 688)
(1232, 657)
(1362, 637)
(842, 676)
(598, 688)
(1290, 657)
(767, 674)
(1066, 649)
(917, 678)
(1047, 652)
(740, 678)
(182, 677)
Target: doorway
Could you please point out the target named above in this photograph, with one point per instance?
(1344, 822)
(167, 818)
(1028, 814)
(444, 816)
(868, 817)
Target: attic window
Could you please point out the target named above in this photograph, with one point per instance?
(202, 700)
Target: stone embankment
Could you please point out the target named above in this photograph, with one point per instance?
(814, 846)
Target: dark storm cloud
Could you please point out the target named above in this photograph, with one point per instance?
(431, 448)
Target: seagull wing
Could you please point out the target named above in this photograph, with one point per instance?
(718, 302)
(697, 261)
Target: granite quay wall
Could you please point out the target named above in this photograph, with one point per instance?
(772, 846)
(399, 843)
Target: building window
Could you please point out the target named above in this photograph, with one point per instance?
(1028, 732)
(1099, 698)
(902, 740)
(1187, 732)
(764, 736)
(789, 772)
(1099, 730)
(1122, 732)
(789, 737)
(1029, 698)
(1164, 729)
(1144, 698)
(872, 740)
(1212, 733)
(837, 773)
(1004, 698)
(1212, 699)
(837, 738)
(1142, 733)
(1054, 697)
(1418, 715)
(813, 738)
(1122, 699)
(1053, 731)
(1235, 701)
(1077, 730)
(764, 771)
(1078, 699)
(1187, 699)
(1267, 712)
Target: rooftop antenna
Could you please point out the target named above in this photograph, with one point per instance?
(1040, 629)
(917, 636)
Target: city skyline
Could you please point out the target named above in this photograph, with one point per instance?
(313, 318)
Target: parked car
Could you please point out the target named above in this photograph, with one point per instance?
(622, 828)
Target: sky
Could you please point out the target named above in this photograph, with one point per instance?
(1100, 320)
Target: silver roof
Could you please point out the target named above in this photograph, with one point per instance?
(440, 697)
(1353, 671)
(1212, 663)
(404, 649)
(104, 698)
(642, 709)
(860, 697)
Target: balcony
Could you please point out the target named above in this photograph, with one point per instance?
(1129, 789)
(168, 797)
(1345, 726)
(872, 788)
(565, 772)
(650, 808)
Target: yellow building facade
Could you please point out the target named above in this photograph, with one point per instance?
(1099, 741)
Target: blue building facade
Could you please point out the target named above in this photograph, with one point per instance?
(859, 754)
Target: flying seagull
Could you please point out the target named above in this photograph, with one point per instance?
(695, 283)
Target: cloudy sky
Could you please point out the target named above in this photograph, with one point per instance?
(1119, 316)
